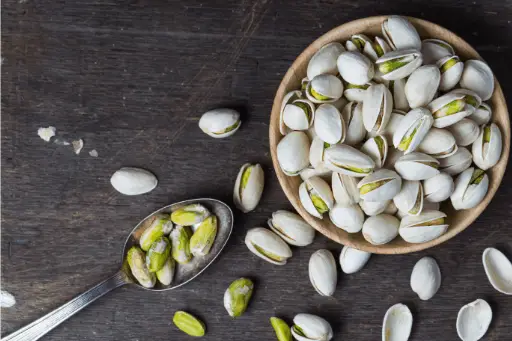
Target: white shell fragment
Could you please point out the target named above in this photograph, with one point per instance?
(308, 327)
(355, 68)
(400, 33)
(293, 153)
(380, 229)
(438, 188)
(487, 147)
(353, 117)
(324, 60)
(291, 228)
(219, 123)
(451, 70)
(329, 124)
(473, 320)
(46, 133)
(349, 218)
(322, 272)
(6, 299)
(498, 269)
(435, 49)
(465, 131)
(248, 187)
(133, 181)
(426, 278)
(316, 196)
(267, 245)
(93, 153)
(423, 228)
(397, 323)
(348, 160)
(353, 260)
(77, 146)
(478, 76)
(470, 189)
(422, 85)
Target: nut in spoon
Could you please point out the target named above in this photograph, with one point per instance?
(184, 273)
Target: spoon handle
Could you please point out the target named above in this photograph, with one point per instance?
(40, 327)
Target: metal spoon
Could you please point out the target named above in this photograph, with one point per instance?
(184, 272)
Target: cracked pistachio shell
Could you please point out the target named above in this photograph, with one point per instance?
(203, 238)
(220, 123)
(389, 130)
(372, 208)
(348, 160)
(292, 155)
(380, 229)
(397, 323)
(376, 148)
(487, 147)
(160, 226)
(397, 89)
(237, 296)
(316, 196)
(473, 101)
(352, 260)
(353, 117)
(344, 189)
(133, 181)
(423, 228)
(470, 189)
(137, 263)
(322, 272)
(308, 327)
(190, 215)
(321, 171)
(166, 274)
(329, 124)
(357, 42)
(158, 254)
(356, 93)
(324, 89)
(478, 77)
(438, 188)
(400, 33)
(498, 269)
(291, 228)
(449, 109)
(267, 245)
(398, 64)
(287, 99)
(349, 218)
(281, 328)
(465, 132)
(417, 166)
(180, 244)
(316, 152)
(451, 71)
(377, 107)
(383, 184)
(249, 186)
(410, 198)
(422, 85)
(412, 130)
(299, 114)
(473, 320)
(456, 163)
(355, 68)
(435, 49)
(426, 278)
(376, 49)
(188, 324)
(324, 60)
(482, 114)
(438, 143)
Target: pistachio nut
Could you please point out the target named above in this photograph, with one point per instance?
(426, 278)
(324, 60)
(389, 130)
(344, 189)
(353, 260)
(427, 206)
(377, 107)
(456, 163)
(422, 85)
(397, 89)
(137, 263)
(203, 238)
(473, 101)
(380, 229)
(383, 184)
(249, 187)
(438, 188)
(189, 324)
(160, 226)
(299, 114)
(376, 49)
(133, 181)
(291, 228)
(308, 327)
(465, 131)
(166, 274)
(157, 254)
(329, 124)
(412, 130)
(398, 64)
(293, 152)
(287, 99)
(423, 228)
(487, 147)
(400, 33)
(482, 114)
(397, 323)
(353, 117)
(316, 196)
(438, 143)
(180, 244)
(355, 68)
(324, 89)
(449, 109)
(281, 328)
(435, 49)
(267, 245)
(473, 320)
(376, 148)
(189, 215)
(478, 77)
(451, 71)
(356, 93)
(498, 269)
(357, 42)
(322, 272)
(321, 171)
(470, 189)
(348, 160)
(372, 208)
(349, 218)
(220, 123)
(237, 296)
(417, 166)
(410, 198)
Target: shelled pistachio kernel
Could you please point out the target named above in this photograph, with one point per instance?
(237, 296)
(202, 240)
(180, 244)
(160, 226)
(136, 261)
(189, 215)
(157, 254)
(188, 324)
(281, 328)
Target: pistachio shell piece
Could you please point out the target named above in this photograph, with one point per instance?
(482, 114)
(180, 244)
(380, 229)
(423, 228)
(451, 71)
(456, 163)
(412, 130)
(248, 187)
(400, 33)
(435, 49)
(353, 117)
(398, 64)
(473, 320)
(316, 196)
(372, 208)
(203, 238)
(316, 152)
(426, 278)
(292, 154)
(377, 148)
(355, 68)
(397, 89)
(417, 166)
(381, 185)
(133, 181)
(357, 42)
(329, 124)
(344, 189)
(349, 218)
(422, 85)
(160, 226)
(287, 99)
(397, 323)
(166, 274)
(377, 107)
(190, 215)
(299, 114)
(470, 189)
(324, 60)
(478, 76)
(410, 198)
(438, 188)
(189, 324)
(498, 269)
(308, 327)
(267, 245)
(291, 228)
(348, 160)
(158, 254)
(324, 89)
(487, 147)
(237, 296)
(438, 143)
(449, 109)
(137, 263)
(353, 260)
(465, 132)
(220, 123)
(281, 329)
(322, 272)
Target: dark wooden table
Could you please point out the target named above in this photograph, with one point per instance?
(132, 78)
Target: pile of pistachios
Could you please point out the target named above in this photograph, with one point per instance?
(187, 232)
(403, 115)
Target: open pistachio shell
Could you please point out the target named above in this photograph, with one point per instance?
(412, 130)
(426, 278)
(376, 49)
(329, 124)
(417, 166)
(470, 189)
(249, 187)
(397, 89)
(473, 101)
(422, 85)
(478, 76)
(498, 269)
(438, 188)
(410, 198)
(488, 146)
(377, 148)
(456, 163)
(473, 320)
(356, 93)
(291, 228)
(451, 70)
(383, 184)
(316, 152)
(372, 208)
(316, 196)
(353, 117)
(465, 131)
(377, 107)
(482, 114)
(398, 64)
(352, 260)
(293, 152)
(324, 89)
(267, 245)
(449, 109)
(355, 68)
(357, 42)
(397, 323)
(423, 228)
(324, 60)
(220, 123)
(435, 49)
(348, 160)
(287, 99)
(344, 189)
(322, 272)
(349, 218)
(308, 327)
(438, 143)
(380, 229)
(400, 33)
(299, 114)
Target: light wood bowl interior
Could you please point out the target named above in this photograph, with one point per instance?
(458, 220)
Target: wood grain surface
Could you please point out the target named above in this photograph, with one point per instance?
(132, 78)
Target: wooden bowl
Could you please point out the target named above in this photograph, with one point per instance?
(458, 220)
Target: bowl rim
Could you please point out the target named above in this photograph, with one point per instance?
(275, 136)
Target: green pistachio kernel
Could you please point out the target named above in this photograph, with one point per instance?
(471, 100)
(446, 152)
(228, 129)
(406, 140)
(180, 241)
(136, 261)
(449, 63)
(451, 108)
(446, 46)
(237, 296)
(188, 324)
(367, 188)
(380, 145)
(477, 176)
(487, 134)
(202, 240)
(394, 64)
(358, 42)
(438, 221)
(319, 203)
(159, 226)
(245, 177)
(430, 164)
(158, 254)
(281, 328)
(353, 169)
(378, 49)
(298, 330)
(189, 215)
(318, 96)
(267, 254)
(166, 274)
(417, 204)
